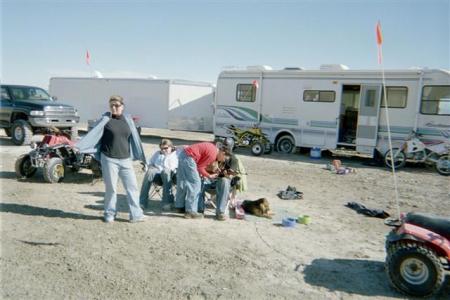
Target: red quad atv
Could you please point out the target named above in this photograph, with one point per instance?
(418, 254)
(54, 154)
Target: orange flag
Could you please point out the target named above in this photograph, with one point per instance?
(88, 57)
(379, 42)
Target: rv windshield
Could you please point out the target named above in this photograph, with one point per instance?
(29, 93)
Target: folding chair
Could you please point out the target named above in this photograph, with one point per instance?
(156, 189)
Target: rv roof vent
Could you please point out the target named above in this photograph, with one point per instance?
(152, 77)
(333, 67)
(259, 68)
(293, 68)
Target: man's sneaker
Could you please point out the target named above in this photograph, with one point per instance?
(193, 215)
(180, 210)
(141, 219)
(166, 207)
(220, 217)
(108, 219)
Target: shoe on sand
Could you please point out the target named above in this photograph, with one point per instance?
(220, 217)
(193, 215)
(141, 219)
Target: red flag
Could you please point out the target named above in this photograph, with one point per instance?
(255, 84)
(88, 57)
(379, 35)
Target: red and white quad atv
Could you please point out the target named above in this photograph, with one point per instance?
(54, 154)
(418, 254)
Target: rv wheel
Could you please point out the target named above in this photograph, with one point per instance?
(285, 144)
(414, 269)
(257, 149)
(399, 158)
(443, 165)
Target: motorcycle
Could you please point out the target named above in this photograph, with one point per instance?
(415, 150)
(54, 154)
(418, 253)
(252, 137)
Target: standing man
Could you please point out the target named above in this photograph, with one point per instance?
(192, 164)
(116, 142)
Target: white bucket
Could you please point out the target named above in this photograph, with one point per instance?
(315, 153)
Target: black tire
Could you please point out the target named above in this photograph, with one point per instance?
(23, 167)
(7, 132)
(414, 269)
(257, 149)
(268, 148)
(21, 132)
(443, 165)
(54, 170)
(399, 160)
(285, 144)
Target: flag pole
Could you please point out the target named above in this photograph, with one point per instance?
(383, 78)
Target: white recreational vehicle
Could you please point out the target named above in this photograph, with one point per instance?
(333, 107)
(159, 103)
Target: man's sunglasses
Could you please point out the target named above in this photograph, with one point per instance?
(115, 105)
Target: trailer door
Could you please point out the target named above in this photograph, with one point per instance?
(369, 110)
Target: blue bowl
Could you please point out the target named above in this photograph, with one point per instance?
(289, 222)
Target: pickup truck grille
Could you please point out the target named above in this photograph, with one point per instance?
(60, 111)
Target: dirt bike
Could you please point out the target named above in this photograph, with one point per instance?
(418, 253)
(415, 150)
(252, 137)
(54, 155)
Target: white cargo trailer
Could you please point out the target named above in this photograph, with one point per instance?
(158, 103)
(334, 107)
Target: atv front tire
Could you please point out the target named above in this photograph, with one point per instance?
(54, 170)
(23, 167)
(257, 149)
(414, 269)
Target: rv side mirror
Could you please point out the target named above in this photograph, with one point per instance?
(54, 98)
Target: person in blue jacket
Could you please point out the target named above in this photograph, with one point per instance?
(115, 142)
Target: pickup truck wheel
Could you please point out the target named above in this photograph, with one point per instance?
(7, 132)
(21, 132)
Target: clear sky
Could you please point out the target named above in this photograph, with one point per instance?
(196, 39)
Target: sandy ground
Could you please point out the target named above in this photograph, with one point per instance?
(54, 244)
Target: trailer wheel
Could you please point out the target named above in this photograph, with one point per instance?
(257, 149)
(24, 167)
(443, 165)
(54, 170)
(286, 144)
(399, 159)
(21, 132)
(414, 269)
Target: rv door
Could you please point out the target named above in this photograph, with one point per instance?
(369, 110)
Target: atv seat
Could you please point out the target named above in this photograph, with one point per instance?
(439, 225)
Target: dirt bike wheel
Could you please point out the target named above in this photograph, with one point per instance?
(23, 167)
(54, 170)
(257, 149)
(443, 165)
(414, 269)
(399, 160)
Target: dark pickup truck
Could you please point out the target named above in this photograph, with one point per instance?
(28, 110)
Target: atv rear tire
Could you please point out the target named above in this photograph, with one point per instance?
(257, 149)
(268, 148)
(23, 167)
(21, 132)
(54, 170)
(414, 269)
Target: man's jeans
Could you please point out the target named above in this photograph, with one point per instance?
(112, 169)
(188, 184)
(222, 186)
(164, 178)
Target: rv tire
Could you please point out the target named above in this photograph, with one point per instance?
(285, 144)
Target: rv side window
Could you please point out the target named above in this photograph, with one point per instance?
(245, 93)
(319, 96)
(435, 100)
(396, 96)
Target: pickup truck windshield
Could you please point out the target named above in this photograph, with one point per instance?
(29, 93)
